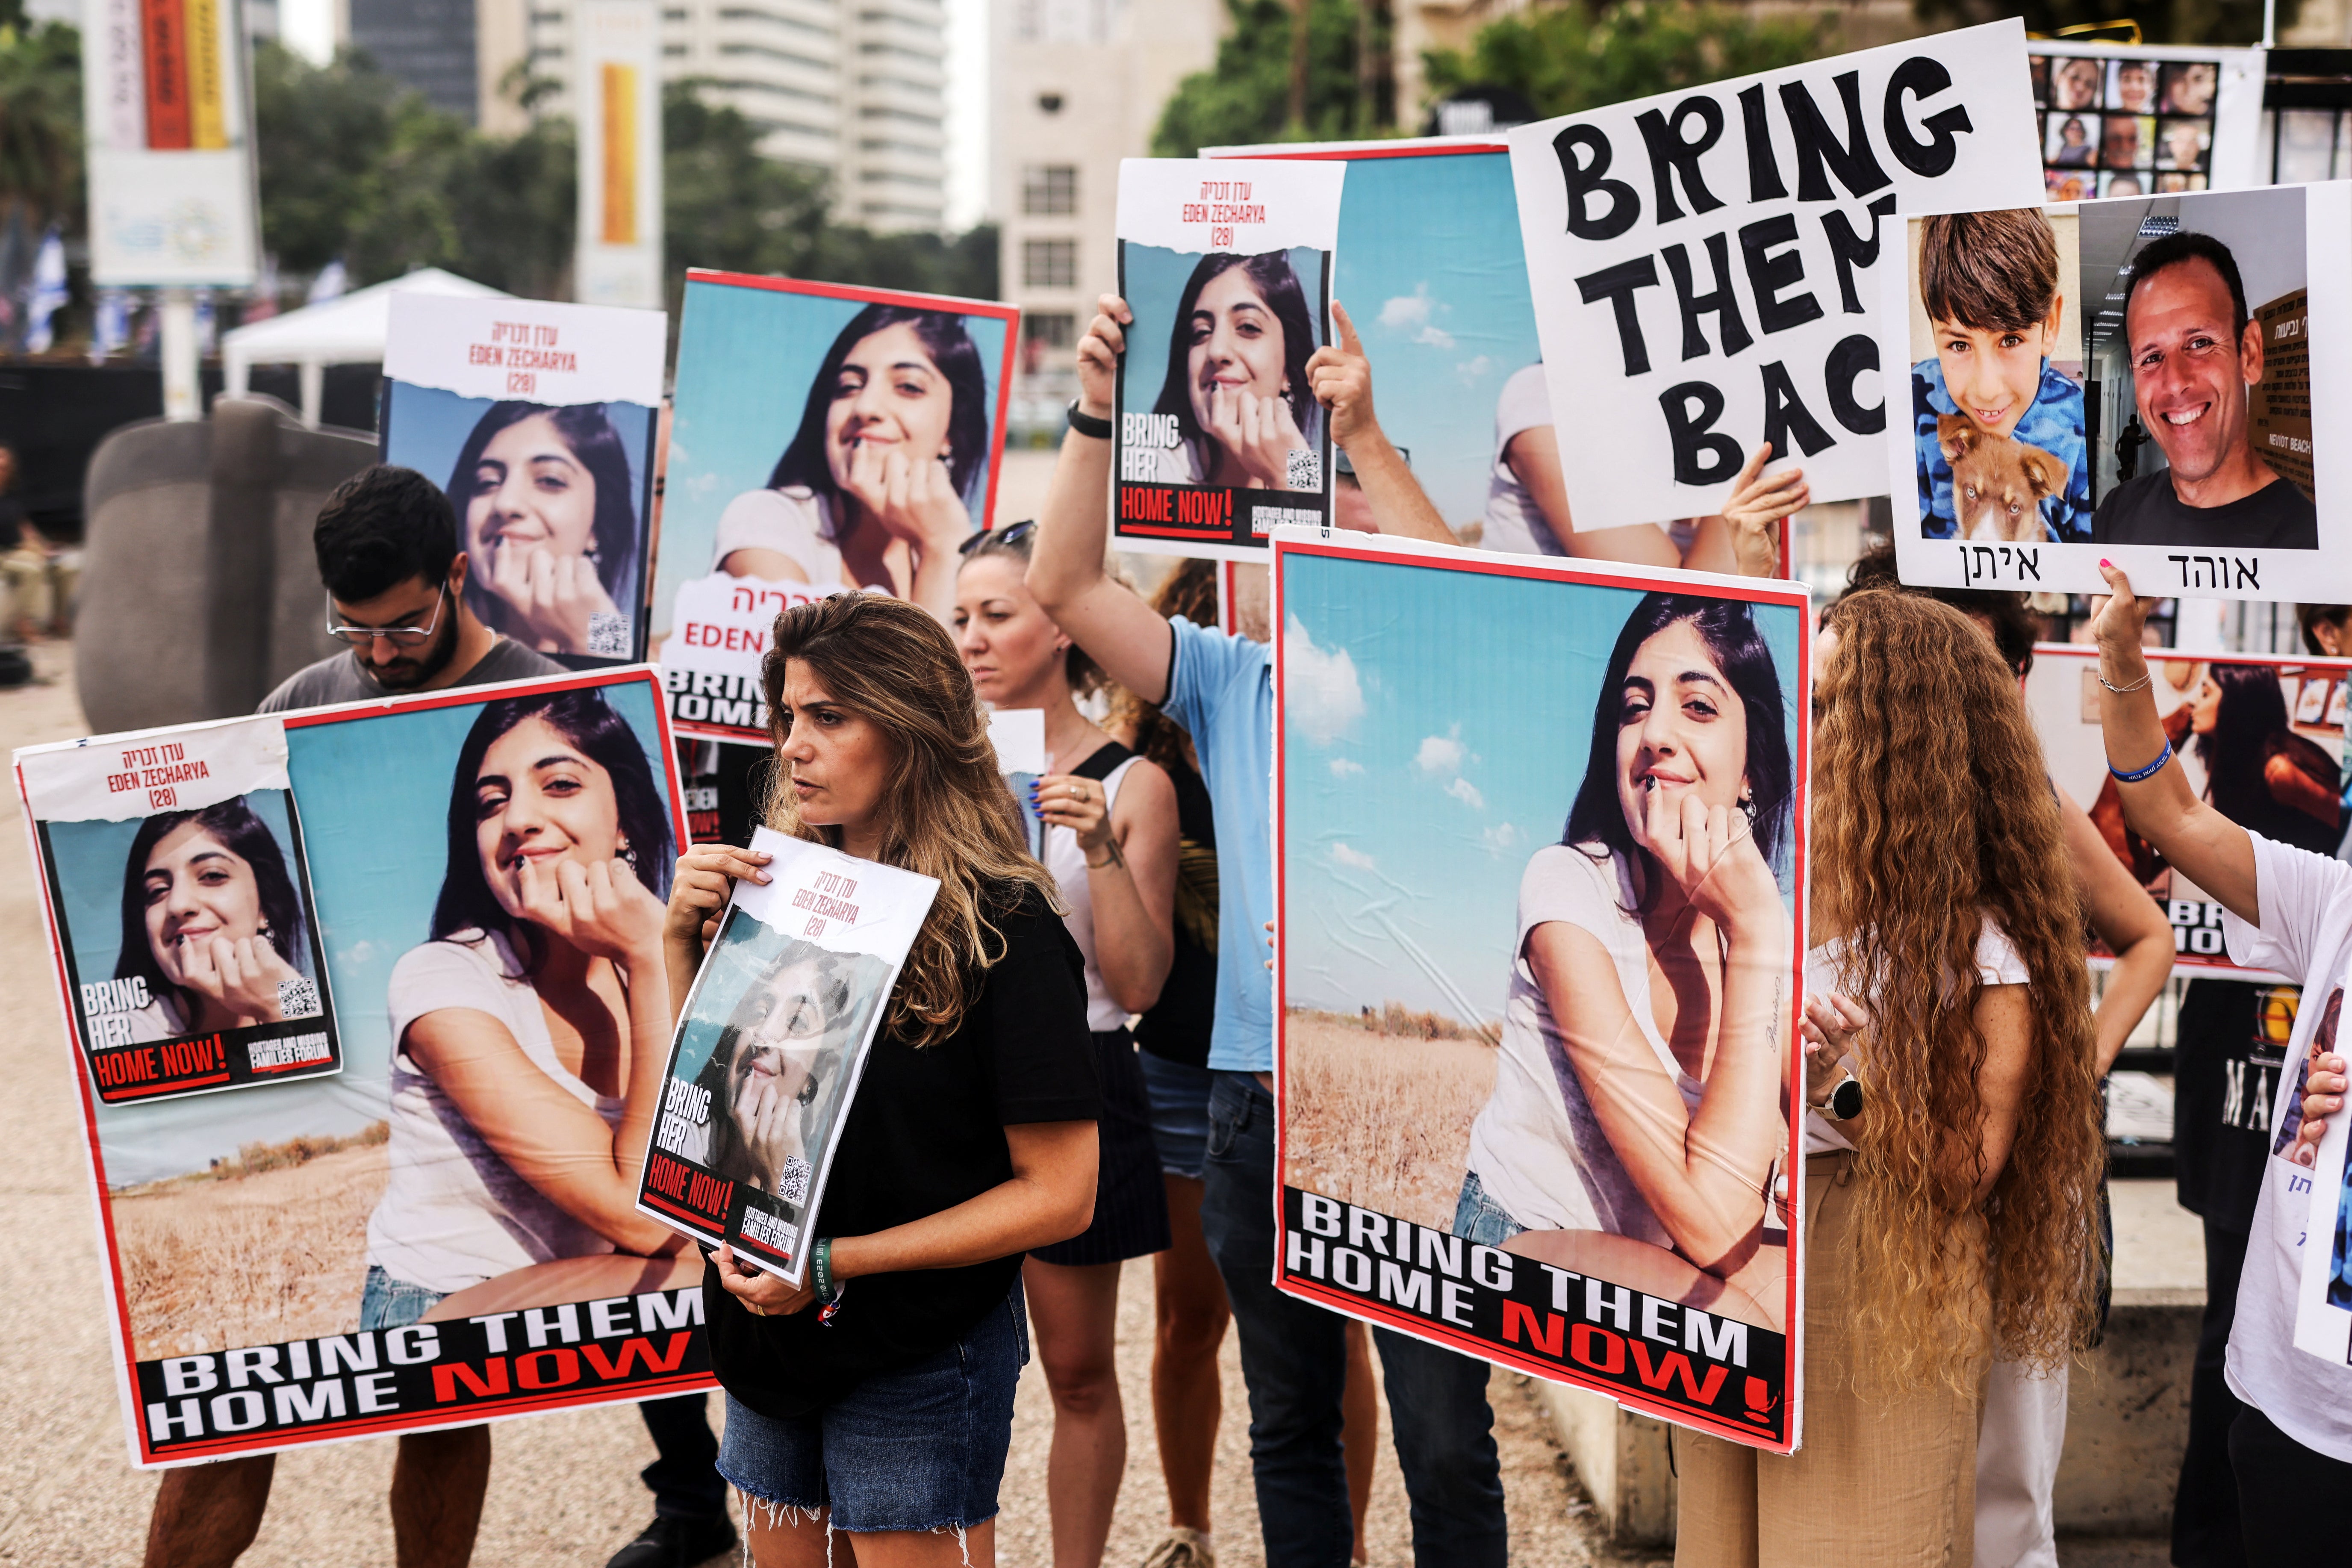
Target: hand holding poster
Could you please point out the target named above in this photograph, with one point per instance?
(825, 438)
(445, 1231)
(538, 420)
(2213, 327)
(181, 899)
(1706, 264)
(2259, 739)
(769, 1045)
(1227, 269)
(1483, 1126)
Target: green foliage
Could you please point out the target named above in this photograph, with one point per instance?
(1581, 55)
(40, 120)
(2175, 22)
(1245, 96)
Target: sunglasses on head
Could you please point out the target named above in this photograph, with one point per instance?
(1009, 534)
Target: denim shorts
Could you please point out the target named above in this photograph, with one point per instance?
(1480, 1218)
(1180, 1112)
(389, 1303)
(921, 1447)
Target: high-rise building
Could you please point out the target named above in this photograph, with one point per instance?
(428, 44)
(1075, 85)
(853, 88)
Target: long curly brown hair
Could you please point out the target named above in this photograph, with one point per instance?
(1932, 810)
(946, 815)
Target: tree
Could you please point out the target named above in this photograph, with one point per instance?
(40, 121)
(1248, 95)
(1582, 56)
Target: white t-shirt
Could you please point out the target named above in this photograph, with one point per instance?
(794, 521)
(1514, 521)
(2305, 903)
(454, 1213)
(1537, 1148)
(1068, 863)
(1998, 963)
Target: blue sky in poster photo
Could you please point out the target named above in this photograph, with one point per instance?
(1425, 765)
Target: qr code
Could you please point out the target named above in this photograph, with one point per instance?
(791, 1182)
(298, 999)
(1306, 469)
(608, 633)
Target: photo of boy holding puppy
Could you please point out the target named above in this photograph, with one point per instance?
(2001, 450)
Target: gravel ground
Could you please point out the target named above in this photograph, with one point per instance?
(563, 1488)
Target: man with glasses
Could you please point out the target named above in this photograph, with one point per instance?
(387, 546)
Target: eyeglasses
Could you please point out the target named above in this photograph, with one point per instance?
(399, 636)
(1012, 533)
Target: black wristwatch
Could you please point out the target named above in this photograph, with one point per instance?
(1088, 424)
(1845, 1102)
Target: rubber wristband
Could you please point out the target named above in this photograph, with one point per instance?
(2148, 772)
(1086, 423)
(820, 1265)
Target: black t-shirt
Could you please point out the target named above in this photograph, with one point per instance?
(2144, 512)
(1177, 1026)
(925, 1132)
(2227, 1055)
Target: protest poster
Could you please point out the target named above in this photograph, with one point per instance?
(2134, 380)
(445, 1232)
(182, 908)
(167, 132)
(537, 420)
(769, 1045)
(2259, 738)
(2323, 1310)
(1217, 438)
(1471, 1151)
(823, 437)
(1705, 263)
(1429, 266)
(2138, 120)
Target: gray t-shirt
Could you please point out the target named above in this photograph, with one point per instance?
(339, 678)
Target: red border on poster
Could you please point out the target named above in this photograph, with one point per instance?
(1598, 574)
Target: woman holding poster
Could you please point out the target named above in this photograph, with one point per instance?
(1636, 1120)
(875, 489)
(1954, 1127)
(529, 1029)
(211, 924)
(546, 517)
(1236, 382)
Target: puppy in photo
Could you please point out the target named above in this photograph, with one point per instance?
(1998, 482)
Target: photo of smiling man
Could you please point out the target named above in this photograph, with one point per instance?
(1996, 421)
(2193, 355)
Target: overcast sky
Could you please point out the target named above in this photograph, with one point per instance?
(308, 25)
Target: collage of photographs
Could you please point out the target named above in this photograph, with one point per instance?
(2123, 127)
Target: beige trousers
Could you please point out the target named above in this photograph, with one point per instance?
(1883, 1481)
(40, 587)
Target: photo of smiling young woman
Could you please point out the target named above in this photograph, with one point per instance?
(876, 487)
(1636, 1127)
(547, 515)
(1236, 380)
(212, 927)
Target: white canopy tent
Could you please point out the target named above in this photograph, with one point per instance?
(346, 330)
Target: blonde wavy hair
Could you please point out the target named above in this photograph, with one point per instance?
(1931, 810)
(946, 812)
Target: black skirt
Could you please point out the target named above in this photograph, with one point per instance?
(1130, 1200)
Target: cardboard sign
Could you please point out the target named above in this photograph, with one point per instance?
(328, 1258)
(2150, 414)
(825, 437)
(1445, 1170)
(770, 1047)
(1705, 263)
(1217, 438)
(537, 420)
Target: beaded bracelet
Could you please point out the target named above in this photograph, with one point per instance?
(2146, 772)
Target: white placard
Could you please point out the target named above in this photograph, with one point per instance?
(616, 103)
(1019, 736)
(1705, 263)
(1199, 204)
(534, 350)
(114, 778)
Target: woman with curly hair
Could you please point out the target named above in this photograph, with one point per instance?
(1954, 1127)
(970, 1141)
(2287, 909)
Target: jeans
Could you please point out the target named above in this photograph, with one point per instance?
(1479, 1218)
(2206, 1530)
(2292, 1501)
(684, 1477)
(389, 1303)
(1294, 1361)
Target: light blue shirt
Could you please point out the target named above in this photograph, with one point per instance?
(1221, 689)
